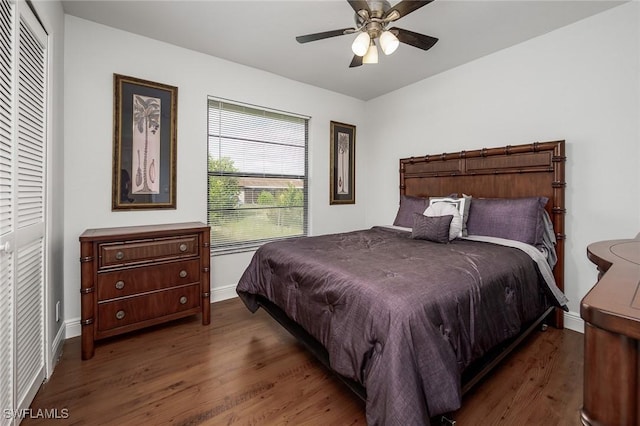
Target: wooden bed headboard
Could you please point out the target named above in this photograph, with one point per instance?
(512, 171)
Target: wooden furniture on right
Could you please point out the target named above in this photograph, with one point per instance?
(611, 311)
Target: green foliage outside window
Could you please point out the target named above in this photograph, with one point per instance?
(288, 203)
(266, 198)
(223, 190)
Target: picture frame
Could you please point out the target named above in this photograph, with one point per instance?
(342, 169)
(144, 144)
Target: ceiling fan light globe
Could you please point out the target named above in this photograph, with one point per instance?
(361, 44)
(389, 42)
(372, 54)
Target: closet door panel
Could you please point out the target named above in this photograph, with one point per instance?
(7, 11)
(29, 210)
(23, 137)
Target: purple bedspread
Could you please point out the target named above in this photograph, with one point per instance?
(403, 317)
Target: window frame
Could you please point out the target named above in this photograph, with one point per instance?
(251, 245)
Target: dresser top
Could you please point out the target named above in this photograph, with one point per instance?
(614, 302)
(141, 231)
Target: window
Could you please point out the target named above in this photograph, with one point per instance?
(257, 175)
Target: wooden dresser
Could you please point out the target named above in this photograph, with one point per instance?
(138, 276)
(611, 311)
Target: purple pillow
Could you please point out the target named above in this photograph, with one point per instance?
(431, 228)
(517, 219)
(408, 206)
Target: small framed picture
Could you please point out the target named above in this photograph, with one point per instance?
(144, 144)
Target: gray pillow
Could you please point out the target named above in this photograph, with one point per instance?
(408, 206)
(445, 209)
(519, 219)
(431, 228)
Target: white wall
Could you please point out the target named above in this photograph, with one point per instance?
(579, 83)
(92, 54)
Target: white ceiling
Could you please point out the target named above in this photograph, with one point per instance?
(261, 34)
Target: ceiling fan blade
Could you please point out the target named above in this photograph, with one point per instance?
(356, 61)
(418, 40)
(320, 36)
(360, 5)
(405, 7)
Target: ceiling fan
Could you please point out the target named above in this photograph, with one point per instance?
(372, 18)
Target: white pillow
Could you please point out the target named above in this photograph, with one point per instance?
(462, 204)
(445, 209)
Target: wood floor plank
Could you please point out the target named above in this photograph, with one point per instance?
(244, 369)
(539, 384)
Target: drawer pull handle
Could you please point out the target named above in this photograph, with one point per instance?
(120, 285)
(119, 255)
(120, 315)
(183, 247)
(183, 274)
(183, 300)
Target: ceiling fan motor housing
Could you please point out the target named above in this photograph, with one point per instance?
(371, 21)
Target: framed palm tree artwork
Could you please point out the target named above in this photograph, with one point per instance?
(144, 144)
(342, 170)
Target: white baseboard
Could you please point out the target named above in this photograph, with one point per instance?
(58, 343)
(572, 321)
(73, 327)
(219, 294)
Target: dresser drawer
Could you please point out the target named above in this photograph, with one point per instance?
(119, 254)
(131, 310)
(126, 282)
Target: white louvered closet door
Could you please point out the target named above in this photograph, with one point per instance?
(22, 234)
(30, 209)
(6, 207)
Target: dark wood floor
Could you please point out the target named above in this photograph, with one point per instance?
(244, 369)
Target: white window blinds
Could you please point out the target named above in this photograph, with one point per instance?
(257, 175)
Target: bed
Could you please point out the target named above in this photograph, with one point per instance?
(410, 324)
